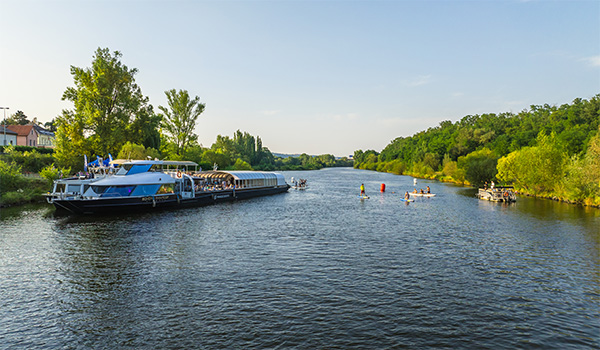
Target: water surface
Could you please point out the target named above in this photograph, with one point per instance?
(317, 268)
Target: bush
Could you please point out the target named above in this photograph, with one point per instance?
(10, 177)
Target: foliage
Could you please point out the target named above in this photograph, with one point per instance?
(10, 176)
(30, 160)
(19, 118)
(70, 141)
(537, 169)
(135, 151)
(109, 110)
(179, 120)
(240, 165)
(9, 148)
(479, 166)
(51, 173)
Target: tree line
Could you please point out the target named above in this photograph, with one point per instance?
(549, 151)
(110, 115)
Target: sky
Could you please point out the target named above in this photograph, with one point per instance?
(316, 77)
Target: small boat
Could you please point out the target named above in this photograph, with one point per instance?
(504, 194)
(146, 185)
(300, 184)
(422, 194)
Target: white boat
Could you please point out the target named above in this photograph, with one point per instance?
(498, 194)
(144, 185)
(422, 194)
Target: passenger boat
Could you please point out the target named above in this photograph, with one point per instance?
(498, 194)
(145, 185)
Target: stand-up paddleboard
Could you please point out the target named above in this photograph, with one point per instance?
(363, 197)
(407, 200)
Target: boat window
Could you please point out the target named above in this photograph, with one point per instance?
(99, 189)
(60, 188)
(139, 168)
(166, 188)
(118, 191)
(145, 190)
(74, 188)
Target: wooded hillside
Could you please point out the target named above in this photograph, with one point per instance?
(550, 151)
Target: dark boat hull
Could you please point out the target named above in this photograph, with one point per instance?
(147, 203)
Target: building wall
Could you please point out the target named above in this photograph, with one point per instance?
(10, 139)
(45, 141)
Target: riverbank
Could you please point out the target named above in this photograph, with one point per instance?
(588, 202)
(18, 189)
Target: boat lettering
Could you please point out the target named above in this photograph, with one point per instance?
(156, 199)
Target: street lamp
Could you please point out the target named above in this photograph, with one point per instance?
(4, 108)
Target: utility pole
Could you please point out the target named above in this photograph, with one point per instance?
(4, 108)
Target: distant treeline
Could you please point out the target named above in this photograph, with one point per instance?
(545, 151)
(243, 152)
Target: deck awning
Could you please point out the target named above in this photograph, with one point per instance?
(242, 175)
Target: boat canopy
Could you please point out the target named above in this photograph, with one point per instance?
(245, 177)
(170, 163)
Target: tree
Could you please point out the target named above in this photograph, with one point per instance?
(537, 169)
(19, 118)
(70, 142)
(179, 119)
(135, 151)
(107, 100)
(479, 166)
(51, 125)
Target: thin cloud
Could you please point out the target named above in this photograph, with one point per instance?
(593, 61)
(419, 81)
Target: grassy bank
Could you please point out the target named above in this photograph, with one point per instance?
(21, 189)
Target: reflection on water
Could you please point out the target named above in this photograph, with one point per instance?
(307, 269)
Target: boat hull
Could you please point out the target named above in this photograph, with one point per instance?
(167, 201)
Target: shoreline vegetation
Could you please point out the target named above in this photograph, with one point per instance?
(546, 152)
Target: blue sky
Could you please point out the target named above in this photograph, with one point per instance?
(311, 76)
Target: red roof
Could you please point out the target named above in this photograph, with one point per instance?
(21, 130)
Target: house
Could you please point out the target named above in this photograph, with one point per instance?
(7, 137)
(26, 135)
(45, 137)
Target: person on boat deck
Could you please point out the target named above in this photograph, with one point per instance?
(362, 189)
(485, 186)
(406, 195)
(492, 185)
(428, 189)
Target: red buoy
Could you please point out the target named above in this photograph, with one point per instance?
(382, 187)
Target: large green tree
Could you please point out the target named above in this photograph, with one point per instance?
(107, 102)
(179, 119)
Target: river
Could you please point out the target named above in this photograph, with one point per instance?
(309, 269)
